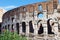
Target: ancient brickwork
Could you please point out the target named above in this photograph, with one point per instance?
(25, 20)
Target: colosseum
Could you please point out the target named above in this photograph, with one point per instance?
(38, 21)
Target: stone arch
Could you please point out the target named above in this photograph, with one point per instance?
(31, 30)
(40, 27)
(23, 27)
(12, 19)
(12, 27)
(5, 26)
(50, 23)
(56, 25)
(38, 21)
(24, 9)
(58, 22)
(40, 15)
(17, 27)
(49, 27)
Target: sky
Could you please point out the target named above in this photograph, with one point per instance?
(10, 4)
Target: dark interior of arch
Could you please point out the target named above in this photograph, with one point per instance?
(12, 19)
(5, 27)
(17, 27)
(49, 27)
(12, 27)
(24, 27)
(31, 30)
(40, 31)
(8, 27)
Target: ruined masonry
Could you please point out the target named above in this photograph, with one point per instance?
(26, 20)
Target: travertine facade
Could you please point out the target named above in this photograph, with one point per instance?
(25, 21)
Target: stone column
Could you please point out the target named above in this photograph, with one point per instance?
(35, 20)
(45, 29)
(14, 22)
(27, 24)
(45, 24)
(14, 27)
(27, 28)
(10, 27)
(45, 14)
(20, 28)
(55, 15)
(56, 29)
(10, 24)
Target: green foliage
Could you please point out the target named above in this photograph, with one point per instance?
(11, 36)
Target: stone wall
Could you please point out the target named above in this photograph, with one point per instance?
(24, 20)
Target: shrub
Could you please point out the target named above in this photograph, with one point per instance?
(11, 36)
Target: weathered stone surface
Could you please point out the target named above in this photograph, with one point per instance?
(29, 23)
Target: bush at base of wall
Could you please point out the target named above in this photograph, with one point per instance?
(11, 36)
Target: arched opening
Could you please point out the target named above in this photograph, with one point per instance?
(5, 27)
(8, 26)
(40, 31)
(24, 9)
(40, 15)
(40, 8)
(17, 27)
(12, 19)
(12, 28)
(31, 30)
(49, 26)
(24, 27)
(24, 14)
